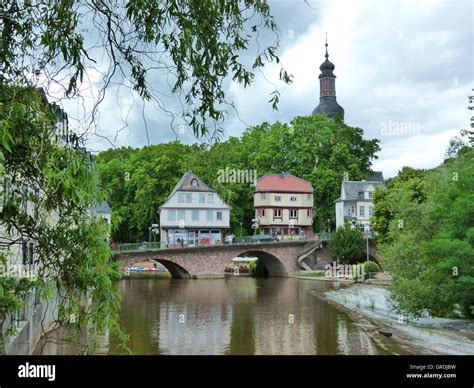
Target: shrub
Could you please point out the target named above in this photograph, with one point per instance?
(371, 266)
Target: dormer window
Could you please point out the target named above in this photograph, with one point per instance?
(371, 194)
(194, 183)
(361, 194)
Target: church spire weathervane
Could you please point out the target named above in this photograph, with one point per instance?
(327, 55)
(327, 83)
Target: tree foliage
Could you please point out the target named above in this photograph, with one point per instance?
(313, 148)
(348, 244)
(47, 191)
(427, 241)
(196, 46)
(409, 180)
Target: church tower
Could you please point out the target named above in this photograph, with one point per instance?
(327, 87)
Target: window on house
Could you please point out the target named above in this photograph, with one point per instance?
(24, 253)
(371, 211)
(371, 194)
(195, 215)
(219, 216)
(209, 215)
(181, 215)
(36, 205)
(202, 198)
(293, 213)
(293, 199)
(31, 252)
(277, 198)
(6, 189)
(171, 215)
(180, 197)
(309, 197)
(277, 213)
(362, 211)
(189, 197)
(210, 198)
(351, 211)
(361, 194)
(263, 196)
(25, 198)
(308, 213)
(261, 212)
(194, 183)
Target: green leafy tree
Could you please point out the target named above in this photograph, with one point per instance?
(428, 245)
(348, 244)
(47, 192)
(409, 181)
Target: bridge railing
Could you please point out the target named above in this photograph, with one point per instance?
(154, 246)
(132, 247)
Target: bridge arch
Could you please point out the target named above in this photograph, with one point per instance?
(174, 269)
(273, 264)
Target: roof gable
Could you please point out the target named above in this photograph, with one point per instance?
(351, 189)
(190, 182)
(283, 182)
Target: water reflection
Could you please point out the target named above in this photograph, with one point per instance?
(234, 316)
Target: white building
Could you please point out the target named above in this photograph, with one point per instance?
(102, 210)
(356, 201)
(193, 214)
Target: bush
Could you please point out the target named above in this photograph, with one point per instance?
(348, 244)
(371, 266)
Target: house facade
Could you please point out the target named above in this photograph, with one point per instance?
(356, 202)
(193, 214)
(284, 206)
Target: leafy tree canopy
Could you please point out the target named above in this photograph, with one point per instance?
(314, 148)
(348, 244)
(426, 240)
(196, 46)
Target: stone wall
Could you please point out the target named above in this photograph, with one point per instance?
(31, 323)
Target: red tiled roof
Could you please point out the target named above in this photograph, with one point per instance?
(283, 182)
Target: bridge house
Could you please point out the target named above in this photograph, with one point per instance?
(193, 214)
(284, 206)
(356, 201)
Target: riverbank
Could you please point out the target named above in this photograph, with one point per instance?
(371, 306)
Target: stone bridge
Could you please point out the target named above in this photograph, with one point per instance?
(280, 258)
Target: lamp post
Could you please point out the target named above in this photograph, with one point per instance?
(156, 230)
(367, 234)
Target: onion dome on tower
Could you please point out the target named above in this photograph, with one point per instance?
(327, 96)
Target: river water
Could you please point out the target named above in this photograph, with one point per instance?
(235, 315)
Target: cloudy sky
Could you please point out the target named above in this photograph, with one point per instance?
(404, 70)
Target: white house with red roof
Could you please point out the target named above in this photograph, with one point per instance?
(284, 206)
